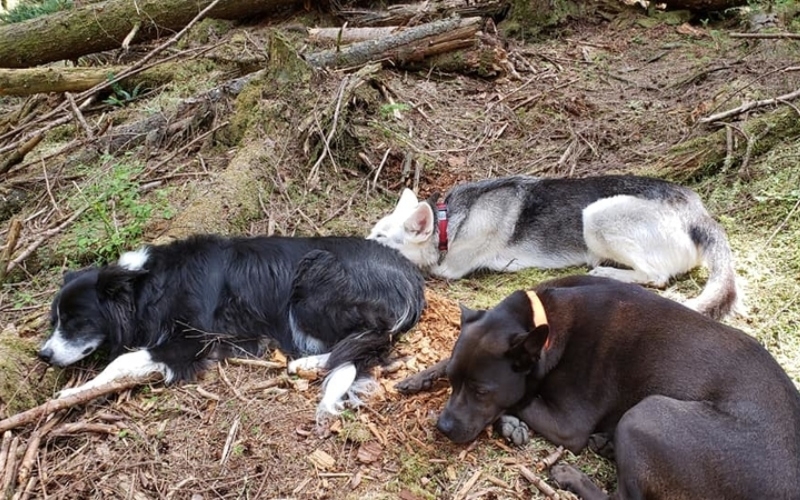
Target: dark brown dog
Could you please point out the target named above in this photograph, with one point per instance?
(696, 409)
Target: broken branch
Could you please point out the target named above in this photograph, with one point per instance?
(54, 405)
(750, 105)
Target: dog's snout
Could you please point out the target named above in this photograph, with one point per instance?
(445, 424)
(45, 354)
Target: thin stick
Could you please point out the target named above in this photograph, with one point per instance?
(764, 35)
(468, 485)
(54, 405)
(748, 106)
(261, 363)
(232, 387)
(229, 441)
(207, 394)
(78, 115)
(540, 484)
(380, 167)
(7, 479)
(28, 489)
(26, 466)
(11, 244)
(7, 437)
(327, 139)
(783, 223)
(44, 237)
(550, 459)
(80, 427)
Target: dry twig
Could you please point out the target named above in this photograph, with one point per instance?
(750, 105)
(550, 459)
(540, 483)
(54, 405)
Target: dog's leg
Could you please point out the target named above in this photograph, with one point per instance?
(566, 425)
(571, 479)
(423, 380)
(646, 235)
(335, 387)
(309, 363)
(131, 364)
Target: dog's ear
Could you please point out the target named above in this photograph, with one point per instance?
(419, 225)
(469, 315)
(113, 281)
(525, 348)
(408, 200)
(72, 275)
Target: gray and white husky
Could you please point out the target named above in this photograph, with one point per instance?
(653, 228)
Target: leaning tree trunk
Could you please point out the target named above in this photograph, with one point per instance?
(105, 25)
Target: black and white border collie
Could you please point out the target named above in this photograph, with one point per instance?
(338, 303)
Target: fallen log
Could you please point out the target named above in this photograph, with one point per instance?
(27, 81)
(450, 46)
(423, 12)
(407, 46)
(105, 25)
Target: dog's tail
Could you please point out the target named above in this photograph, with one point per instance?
(350, 363)
(721, 295)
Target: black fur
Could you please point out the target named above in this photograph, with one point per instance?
(210, 297)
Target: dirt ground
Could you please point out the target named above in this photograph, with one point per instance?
(610, 96)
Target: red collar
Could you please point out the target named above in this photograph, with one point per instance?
(441, 216)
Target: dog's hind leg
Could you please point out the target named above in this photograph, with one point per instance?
(336, 386)
(647, 236)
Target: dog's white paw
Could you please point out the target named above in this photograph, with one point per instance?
(513, 429)
(309, 363)
(65, 393)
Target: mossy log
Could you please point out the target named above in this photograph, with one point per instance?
(103, 26)
(712, 153)
(27, 81)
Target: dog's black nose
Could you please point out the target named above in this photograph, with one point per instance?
(45, 355)
(444, 424)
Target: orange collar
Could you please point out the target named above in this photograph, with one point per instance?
(539, 315)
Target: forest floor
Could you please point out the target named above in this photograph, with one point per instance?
(590, 98)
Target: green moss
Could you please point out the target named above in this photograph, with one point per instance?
(22, 386)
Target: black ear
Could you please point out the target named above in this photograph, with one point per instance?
(433, 199)
(525, 348)
(113, 281)
(469, 315)
(72, 275)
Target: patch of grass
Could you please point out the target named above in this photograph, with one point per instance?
(28, 9)
(762, 218)
(117, 213)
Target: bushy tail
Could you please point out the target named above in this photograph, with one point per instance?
(721, 295)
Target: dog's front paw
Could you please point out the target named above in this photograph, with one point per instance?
(415, 383)
(65, 393)
(513, 429)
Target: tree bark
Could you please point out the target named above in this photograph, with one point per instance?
(103, 26)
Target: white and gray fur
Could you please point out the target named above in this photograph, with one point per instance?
(653, 228)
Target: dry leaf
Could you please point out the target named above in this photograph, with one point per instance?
(369, 452)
